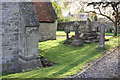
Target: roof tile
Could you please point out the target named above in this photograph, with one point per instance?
(45, 11)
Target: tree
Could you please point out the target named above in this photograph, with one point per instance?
(115, 14)
(93, 16)
(66, 6)
(58, 10)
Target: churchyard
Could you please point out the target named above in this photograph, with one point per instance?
(69, 60)
(35, 44)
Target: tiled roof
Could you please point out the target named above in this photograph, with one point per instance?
(45, 11)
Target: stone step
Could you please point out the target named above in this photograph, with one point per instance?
(95, 40)
(87, 41)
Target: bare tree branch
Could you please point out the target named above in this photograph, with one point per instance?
(116, 13)
(105, 16)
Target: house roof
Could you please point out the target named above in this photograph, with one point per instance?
(45, 11)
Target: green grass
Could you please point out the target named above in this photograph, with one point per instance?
(114, 41)
(62, 33)
(70, 60)
(111, 34)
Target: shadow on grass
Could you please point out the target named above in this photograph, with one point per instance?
(69, 57)
(74, 64)
(60, 51)
(57, 51)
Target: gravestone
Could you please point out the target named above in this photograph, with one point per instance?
(102, 37)
(67, 31)
(89, 35)
(89, 25)
(19, 32)
(76, 27)
(77, 41)
(84, 34)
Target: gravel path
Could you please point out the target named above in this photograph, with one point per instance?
(107, 67)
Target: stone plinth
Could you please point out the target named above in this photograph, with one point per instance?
(77, 42)
(89, 37)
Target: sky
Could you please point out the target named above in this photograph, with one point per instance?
(75, 6)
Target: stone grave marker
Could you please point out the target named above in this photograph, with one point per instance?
(89, 25)
(67, 31)
(77, 41)
(102, 37)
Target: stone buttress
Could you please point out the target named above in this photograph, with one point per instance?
(20, 37)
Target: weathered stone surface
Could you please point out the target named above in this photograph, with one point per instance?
(89, 27)
(87, 41)
(1, 31)
(46, 62)
(30, 59)
(102, 37)
(19, 37)
(10, 41)
(28, 14)
(68, 41)
(82, 36)
(48, 20)
(67, 31)
(47, 31)
(87, 36)
(77, 42)
(62, 25)
(29, 37)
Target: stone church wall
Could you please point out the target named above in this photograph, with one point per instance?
(48, 31)
(19, 37)
(10, 37)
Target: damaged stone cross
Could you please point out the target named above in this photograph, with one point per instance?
(77, 41)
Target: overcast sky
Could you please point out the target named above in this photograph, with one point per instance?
(74, 7)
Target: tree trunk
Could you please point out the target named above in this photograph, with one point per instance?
(116, 23)
(115, 32)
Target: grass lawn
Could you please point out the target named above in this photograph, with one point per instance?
(70, 60)
(62, 33)
(110, 34)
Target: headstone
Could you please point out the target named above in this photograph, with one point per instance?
(84, 35)
(76, 27)
(77, 41)
(89, 25)
(89, 35)
(102, 37)
(67, 31)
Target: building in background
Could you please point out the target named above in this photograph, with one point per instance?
(48, 20)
